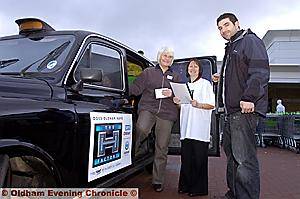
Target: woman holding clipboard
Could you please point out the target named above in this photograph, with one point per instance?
(195, 120)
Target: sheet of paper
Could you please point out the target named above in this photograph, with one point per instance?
(181, 91)
(158, 93)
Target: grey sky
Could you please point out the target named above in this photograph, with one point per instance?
(188, 26)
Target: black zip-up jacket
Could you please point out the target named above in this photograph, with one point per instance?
(247, 72)
(145, 85)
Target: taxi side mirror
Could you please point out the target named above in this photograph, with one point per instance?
(87, 75)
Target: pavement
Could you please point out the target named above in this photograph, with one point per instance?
(280, 177)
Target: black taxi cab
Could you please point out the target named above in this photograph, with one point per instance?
(66, 117)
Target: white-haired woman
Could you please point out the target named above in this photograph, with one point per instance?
(156, 108)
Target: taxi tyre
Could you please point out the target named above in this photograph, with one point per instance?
(25, 171)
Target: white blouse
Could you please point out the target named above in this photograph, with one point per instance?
(195, 122)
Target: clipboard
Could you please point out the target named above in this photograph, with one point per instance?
(182, 91)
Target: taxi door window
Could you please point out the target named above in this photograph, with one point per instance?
(134, 69)
(135, 66)
(106, 59)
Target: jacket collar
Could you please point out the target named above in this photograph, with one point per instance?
(238, 36)
(169, 69)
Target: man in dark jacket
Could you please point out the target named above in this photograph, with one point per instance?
(156, 107)
(243, 92)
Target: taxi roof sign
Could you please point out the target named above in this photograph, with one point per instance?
(32, 24)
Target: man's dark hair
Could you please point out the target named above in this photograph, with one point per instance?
(231, 17)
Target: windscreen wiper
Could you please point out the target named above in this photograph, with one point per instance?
(4, 63)
(53, 55)
(50, 56)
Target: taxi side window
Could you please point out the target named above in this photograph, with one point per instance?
(106, 59)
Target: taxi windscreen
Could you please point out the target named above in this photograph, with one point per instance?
(34, 55)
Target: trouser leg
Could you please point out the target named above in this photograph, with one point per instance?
(243, 144)
(231, 164)
(145, 122)
(186, 166)
(199, 174)
(162, 137)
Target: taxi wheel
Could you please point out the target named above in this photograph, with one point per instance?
(31, 172)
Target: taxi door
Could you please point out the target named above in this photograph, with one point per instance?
(209, 67)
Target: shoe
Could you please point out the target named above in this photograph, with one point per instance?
(180, 191)
(157, 187)
(229, 195)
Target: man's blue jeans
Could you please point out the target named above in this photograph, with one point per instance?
(243, 178)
